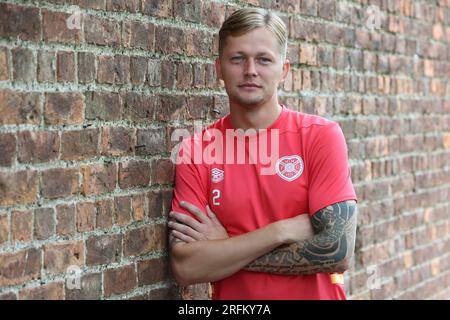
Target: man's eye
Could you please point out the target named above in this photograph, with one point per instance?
(265, 60)
(236, 59)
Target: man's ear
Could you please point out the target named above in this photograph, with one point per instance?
(218, 69)
(286, 68)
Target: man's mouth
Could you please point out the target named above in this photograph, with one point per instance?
(249, 85)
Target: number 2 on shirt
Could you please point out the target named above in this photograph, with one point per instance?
(216, 196)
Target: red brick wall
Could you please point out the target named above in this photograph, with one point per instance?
(86, 116)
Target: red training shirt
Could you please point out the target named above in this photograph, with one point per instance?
(310, 172)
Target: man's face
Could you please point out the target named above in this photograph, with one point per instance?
(250, 66)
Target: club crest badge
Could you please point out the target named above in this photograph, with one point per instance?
(289, 168)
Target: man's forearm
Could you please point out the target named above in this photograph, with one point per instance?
(212, 260)
(328, 251)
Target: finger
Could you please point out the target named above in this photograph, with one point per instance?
(196, 211)
(188, 231)
(182, 236)
(212, 215)
(185, 219)
(173, 240)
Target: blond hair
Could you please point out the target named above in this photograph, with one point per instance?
(246, 19)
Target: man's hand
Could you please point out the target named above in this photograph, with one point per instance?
(189, 229)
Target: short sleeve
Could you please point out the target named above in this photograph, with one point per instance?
(329, 171)
(190, 182)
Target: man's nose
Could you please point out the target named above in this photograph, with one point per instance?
(250, 67)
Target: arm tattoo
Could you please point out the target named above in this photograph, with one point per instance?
(329, 251)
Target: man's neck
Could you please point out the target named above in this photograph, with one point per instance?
(259, 117)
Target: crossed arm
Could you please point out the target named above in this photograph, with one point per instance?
(202, 252)
(328, 251)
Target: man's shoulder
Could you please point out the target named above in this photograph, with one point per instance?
(201, 131)
(313, 130)
(217, 124)
(303, 121)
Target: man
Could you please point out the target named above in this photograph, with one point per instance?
(285, 235)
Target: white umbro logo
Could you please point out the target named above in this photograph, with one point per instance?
(217, 175)
(289, 168)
